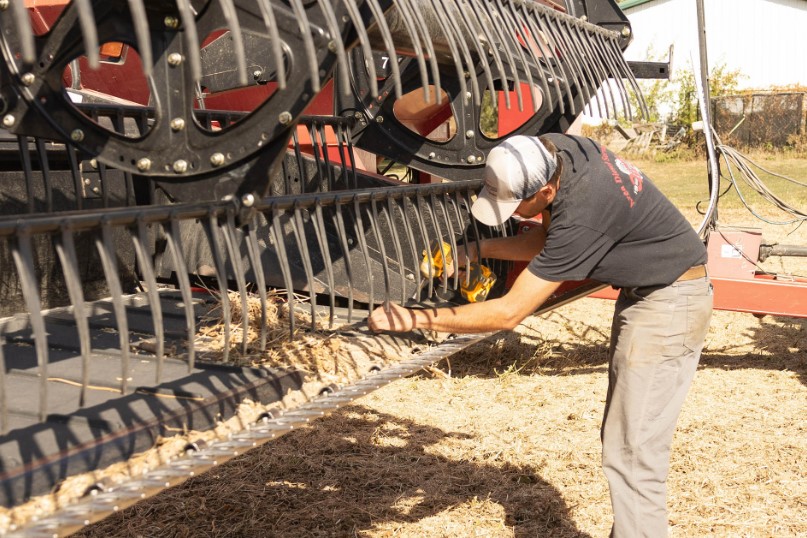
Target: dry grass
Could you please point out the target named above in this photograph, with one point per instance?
(508, 446)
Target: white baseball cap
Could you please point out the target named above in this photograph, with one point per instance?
(516, 169)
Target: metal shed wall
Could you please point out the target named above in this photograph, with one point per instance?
(764, 39)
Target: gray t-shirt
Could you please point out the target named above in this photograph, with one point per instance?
(611, 224)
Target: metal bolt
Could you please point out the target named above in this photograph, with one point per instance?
(28, 79)
(177, 124)
(284, 118)
(332, 46)
(96, 190)
(9, 120)
(432, 155)
(584, 18)
(469, 133)
(468, 96)
(625, 31)
(87, 181)
(174, 59)
(217, 159)
(379, 119)
(171, 22)
(180, 166)
(248, 200)
(143, 164)
(94, 163)
(471, 159)
(77, 135)
(257, 74)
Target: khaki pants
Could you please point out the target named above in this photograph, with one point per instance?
(656, 341)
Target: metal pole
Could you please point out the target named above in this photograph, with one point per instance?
(706, 116)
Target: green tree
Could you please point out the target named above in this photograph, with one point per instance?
(722, 81)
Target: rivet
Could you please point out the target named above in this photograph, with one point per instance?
(87, 181)
(379, 119)
(180, 166)
(9, 120)
(171, 22)
(143, 164)
(468, 96)
(248, 200)
(77, 135)
(96, 190)
(471, 159)
(94, 163)
(177, 124)
(432, 155)
(469, 133)
(217, 159)
(583, 18)
(284, 118)
(174, 59)
(625, 31)
(28, 79)
(332, 46)
(257, 74)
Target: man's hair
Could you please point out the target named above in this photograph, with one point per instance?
(553, 150)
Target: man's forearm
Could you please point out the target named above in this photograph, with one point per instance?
(469, 318)
(522, 247)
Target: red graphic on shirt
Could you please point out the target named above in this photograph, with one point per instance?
(635, 175)
(618, 178)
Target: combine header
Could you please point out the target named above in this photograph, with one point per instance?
(159, 155)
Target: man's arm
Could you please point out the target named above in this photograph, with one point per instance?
(505, 313)
(519, 248)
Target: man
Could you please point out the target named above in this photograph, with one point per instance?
(604, 220)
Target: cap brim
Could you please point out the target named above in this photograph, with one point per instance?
(490, 211)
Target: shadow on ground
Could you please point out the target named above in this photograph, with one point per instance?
(769, 343)
(355, 471)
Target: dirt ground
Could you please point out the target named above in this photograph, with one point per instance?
(506, 444)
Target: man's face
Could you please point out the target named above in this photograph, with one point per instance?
(532, 206)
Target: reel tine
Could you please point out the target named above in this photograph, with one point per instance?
(509, 18)
(336, 45)
(23, 24)
(298, 228)
(27, 170)
(322, 239)
(452, 45)
(341, 140)
(211, 227)
(342, 234)
(586, 63)
(438, 229)
(231, 20)
(489, 9)
(410, 236)
(358, 227)
(364, 43)
(421, 25)
(396, 242)
(23, 256)
(613, 69)
(585, 38)
(566, 59)
(234, 255)
(276, 235)
(484, 22)
(72, 159)
(549, 48)
(402, 7)
(42, 155)
(455, 34)
(386, 36)
(418, 207)
(274, 36)
(254, 253)
(86, 20)
(106, 250)
(308, 44)
(316, 150)
(299, 158)
(526, 30)
(174, 237)
(438, 201)
(66, 250)
(140, 240)
(472, 29)
(324, 148)
(141, 27)
(373, 215)
(191, 39)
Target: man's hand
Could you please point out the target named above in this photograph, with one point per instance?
(464, 252)
(393, 318)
